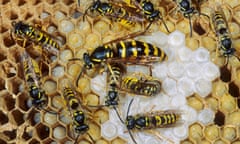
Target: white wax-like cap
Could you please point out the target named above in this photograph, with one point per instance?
(109, 130)
(206, 116)
(210, 71)
(203, 87)
(201, 55)
(169, 86)
(186, 86)
(176, 38)
(184, 54)
(175, 69)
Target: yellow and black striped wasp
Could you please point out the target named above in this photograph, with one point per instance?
(26, 32)
(32, 76)
(130, 51)
(187, 10)
(225, 43)
(141, 86)
(128, 14)
(151, 120)
(78, 116)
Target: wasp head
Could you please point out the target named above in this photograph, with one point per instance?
(88, 63)
(20, 28)
(130, 122)
(79, 117)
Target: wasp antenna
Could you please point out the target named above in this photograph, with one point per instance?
(97, 106)
(78, 3)
(51, 112)
(129, 106)
(118, 114)
(190, 24)
(165, 25)
(237, 57)
(73, 59)
(91, 137)
(79, 76)
(76, 140)
(131, 135)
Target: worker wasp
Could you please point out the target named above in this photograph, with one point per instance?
(32, 76)
(187, 10)
(127, 14)
(141, 86)
(76, 112)
(127, 52)
(151, 120)
(225, 44)
(25, 32)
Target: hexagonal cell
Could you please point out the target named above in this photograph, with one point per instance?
(8, 41)
(9, 69)
(195, 102)
(59, 132)
(50, 118)
(7, 101)
(50, 86)
(233, 90)
(22, 101)
(226, 74)
(10, 134)
(34, 141)
(229, 133)
(3, 118)
(44, 69)
(212, 103)
(27, 135)
(233, 118)
(94, 130)
(34, 117)
(227, 103)
(15, 85)
(17, 117)
(101, 116)
(43, 131)
(109, 130)
(219, 118)
(211, 132)
(196, 132)
(58, 71)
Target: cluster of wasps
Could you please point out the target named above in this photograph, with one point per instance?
(116, 55)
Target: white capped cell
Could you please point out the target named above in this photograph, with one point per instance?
(186, 86)
(203, 87)
(44, 15)
(59, 15)
(98, 84)
(169, 86)
(178, 100)
(176, 38)
(66, 26)
(160, 71)
(193, 70)
(184, 54)
(157, 38)
(59, 132)
(206, 116)
(189, 115)
(58, 71)
(175, 70)
(201, 55)
(210, 71)
(180, 131)
(109, 130)
(51, 29)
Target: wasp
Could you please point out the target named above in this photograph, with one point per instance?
(78, 116)
(186, 8)
(220, 26)
(151, 120)
(127, 15)
(146, 87)
(26, 32)
(114, 79)
(32, 76)
(133, 52)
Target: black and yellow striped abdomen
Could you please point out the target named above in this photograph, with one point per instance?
(141, 87)
(164, 120)
(70, 98)
(137, 50)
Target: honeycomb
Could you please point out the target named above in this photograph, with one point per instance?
(22, 124)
